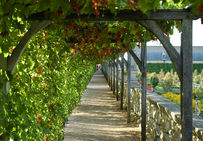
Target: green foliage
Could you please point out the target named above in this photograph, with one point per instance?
(195, 72)
(198, 67)
(46, 86)
(157, 67)
(50, 76)
(197, 79)
(168, 82)
(139, 75)
(176, 99)
(154, 80)
(167, 67)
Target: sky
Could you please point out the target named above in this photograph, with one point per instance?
(175, 38)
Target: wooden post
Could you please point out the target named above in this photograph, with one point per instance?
(104, 70)
(114, 77)
(144, 84)
(129, 86)
(122, 82)
(117, 76)
(109, 74)
(4, 82)
(186, 85)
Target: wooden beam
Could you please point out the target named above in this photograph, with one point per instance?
(18, 51)
(136, 59)
(129, 87)
(114, 76)
(109, 73)
(111, 76)
(144, 87)
(4, 84)
(171, 51)
(186, 85)
(126, 15)
(117, 76)
(105, 70)
(122, 84)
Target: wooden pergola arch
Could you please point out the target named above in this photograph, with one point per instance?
(182, 62)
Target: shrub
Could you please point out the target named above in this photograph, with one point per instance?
(139, 75)
(175, 77)
(156, 67)
(195, 73)
(154, 80)
(161, 74)
(197, 79)
(176, 99)
(168, 82)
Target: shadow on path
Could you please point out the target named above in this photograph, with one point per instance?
(98, 118)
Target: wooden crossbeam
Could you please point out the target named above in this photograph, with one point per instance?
(136, 59)
(126, 15)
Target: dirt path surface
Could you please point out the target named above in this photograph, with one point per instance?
(98, 118)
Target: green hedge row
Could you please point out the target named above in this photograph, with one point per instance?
(45, 88)
(156, 67)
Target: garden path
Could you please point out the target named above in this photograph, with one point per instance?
(98, 117)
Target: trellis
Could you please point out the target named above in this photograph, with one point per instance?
(182, 62)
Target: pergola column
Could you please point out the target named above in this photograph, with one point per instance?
(114, 77)
(129, 86)
(122, 82)
(144, 84)
(186, 84)
(117, 76)
(109, 74)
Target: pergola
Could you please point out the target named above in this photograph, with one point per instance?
(182, 62)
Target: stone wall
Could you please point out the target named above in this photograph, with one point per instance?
(163, 117)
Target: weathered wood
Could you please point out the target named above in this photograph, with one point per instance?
(111, 75)
(144, 87)
(119, 62)
(122, 83)
(114, 77)
(136, 59)
(171, 51)
(18, 51)
(186, 57)
(129, 86)
(126, 15)
(107, 72)
(117, 76)
(124, 60)
(103, 66)
(4, 83)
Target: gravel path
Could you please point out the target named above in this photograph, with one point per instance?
(98, 118)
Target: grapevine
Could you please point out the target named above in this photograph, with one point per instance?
(58, 62)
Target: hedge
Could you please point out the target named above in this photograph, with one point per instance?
(166, 67)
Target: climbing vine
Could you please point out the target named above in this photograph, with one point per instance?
(44, 90)
(57, 64)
